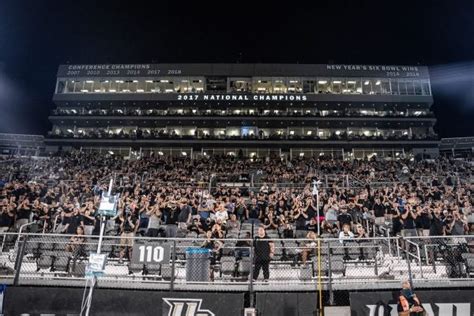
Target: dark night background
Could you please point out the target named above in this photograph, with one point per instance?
(37, 36)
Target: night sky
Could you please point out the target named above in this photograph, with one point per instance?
(37, 36)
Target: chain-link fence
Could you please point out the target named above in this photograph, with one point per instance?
(259, 264)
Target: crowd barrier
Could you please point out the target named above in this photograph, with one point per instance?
(229, 264)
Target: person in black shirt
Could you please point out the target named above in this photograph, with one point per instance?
(264, 250)
(408, 217)
(343, 219)
(422, 221)
(74, 221)
(23, 214)
(379, 212)
(6, 219)
(128, 227)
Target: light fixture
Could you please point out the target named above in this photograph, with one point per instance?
(111, 152)
(301, 154)
(140, 90)
(336, 81)
(366, 83)
(184, 153)
(322, 81)
(69, 130)
(89, 81)
(112, 90)
(309, 132)
(164, 81)
(84, 90)
(338, 132)
(351, 82)
(135, 81)
(160, 153)
(377, 83)
(149, 81)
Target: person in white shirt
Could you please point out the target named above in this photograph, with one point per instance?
(345, 235)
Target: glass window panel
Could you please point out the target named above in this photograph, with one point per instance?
(197, 84)
(353, 86)
(410, 87)
(133, 85)
(385, 87)
(279, 85)
(262, 85)
(61, 86)
(394, 86)
(114, 86)
(377, 86)
(402, 86)
(87, 86)
(309, 86)
(70, 86)
(337, 85)
(239, 84)
(78, 86)
(294, 85)
(367, 86)
(418, 89)
(324, 85)
(426, 87)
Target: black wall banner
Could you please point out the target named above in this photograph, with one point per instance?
(286, 304)
(436, 303)
(107, 302)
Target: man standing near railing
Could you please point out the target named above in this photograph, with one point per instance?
(264, 250)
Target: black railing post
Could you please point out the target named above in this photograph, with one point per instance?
(407, 255)
(173, 264)
(19, 258)
(251, 294)
(331, 293)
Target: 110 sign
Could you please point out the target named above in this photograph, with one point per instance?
(150, 253)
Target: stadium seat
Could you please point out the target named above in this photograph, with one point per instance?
(228, 265)
(245, 265)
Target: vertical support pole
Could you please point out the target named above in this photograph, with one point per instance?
(19, 260)
(251, 292)
(173, 266)
(331, 293)
(320, 289)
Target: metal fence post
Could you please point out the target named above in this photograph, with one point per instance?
(19, 259)
(331, 293)
(407, 257)
(173, 264)
(251, 294)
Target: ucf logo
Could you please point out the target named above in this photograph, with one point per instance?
(184, 307)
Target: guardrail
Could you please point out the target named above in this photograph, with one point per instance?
(235, 264)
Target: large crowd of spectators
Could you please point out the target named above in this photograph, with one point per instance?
(166, 196)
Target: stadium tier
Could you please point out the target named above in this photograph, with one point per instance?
(254, 110)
